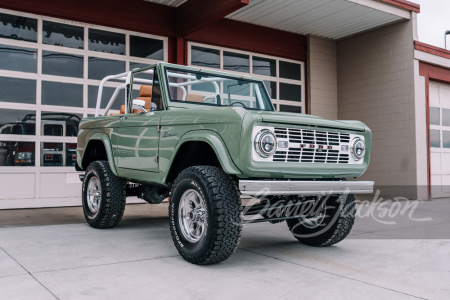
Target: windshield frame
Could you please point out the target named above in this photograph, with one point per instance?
(175, 102)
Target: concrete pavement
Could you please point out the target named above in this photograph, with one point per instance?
(54, 254)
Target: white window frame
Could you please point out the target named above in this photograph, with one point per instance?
(276, 101)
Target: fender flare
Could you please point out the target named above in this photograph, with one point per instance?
(107, 143)
(215, 141)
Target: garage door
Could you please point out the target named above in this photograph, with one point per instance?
(50, 70)
(440, 139)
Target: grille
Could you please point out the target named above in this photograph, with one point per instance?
(306, 137)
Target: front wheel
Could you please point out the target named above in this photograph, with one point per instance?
(328, 222)
(205, 215)
(104, 196)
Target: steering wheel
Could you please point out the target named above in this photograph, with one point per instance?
(238, 103)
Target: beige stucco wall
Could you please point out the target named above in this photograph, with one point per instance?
(322, 78)
(376, 79)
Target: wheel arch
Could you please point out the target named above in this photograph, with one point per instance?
(98, 148)
(196, 148)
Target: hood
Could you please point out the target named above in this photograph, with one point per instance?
(306, 120)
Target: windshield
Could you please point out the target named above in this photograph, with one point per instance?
(218, 90)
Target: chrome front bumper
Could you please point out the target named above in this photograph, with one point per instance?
(303, 188)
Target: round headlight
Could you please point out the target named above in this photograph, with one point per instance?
(266, 143)
(358, 148)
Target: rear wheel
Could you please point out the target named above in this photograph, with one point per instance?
(205, 215)
(104, 196)
(329, 222)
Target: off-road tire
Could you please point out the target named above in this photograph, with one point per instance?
(113, 196)
(338, 223)
(224, 215)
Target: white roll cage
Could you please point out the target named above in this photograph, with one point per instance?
(126, 76)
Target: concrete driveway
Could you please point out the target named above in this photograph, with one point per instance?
(53, 253)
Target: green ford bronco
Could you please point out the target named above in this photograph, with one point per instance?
(206, 140)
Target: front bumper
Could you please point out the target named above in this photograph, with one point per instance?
(303, 188)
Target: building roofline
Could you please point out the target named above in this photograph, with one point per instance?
(432, 49)
(403, 4)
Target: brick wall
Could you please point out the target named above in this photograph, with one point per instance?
(322, 78)
(376, 85)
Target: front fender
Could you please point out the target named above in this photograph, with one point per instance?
(109, 153)
(216, 143)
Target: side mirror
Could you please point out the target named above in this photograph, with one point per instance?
(139, 104)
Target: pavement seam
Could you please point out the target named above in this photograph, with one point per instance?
(29, 273)
(107, 264)
(319, 270)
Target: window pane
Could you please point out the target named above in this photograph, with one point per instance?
(18, 28)
(264, 66)
(17, 90)
(146, 47)
(99, 68)
(105, 41)
(236, 62)
(14, 121)
(60, 124)
(445, 117)
(63, 35)
(52, 154)
(71, 154)
(62, 64)
(435, 138)
(135, 65)
(140, 75)
(13, 153)
(18, 59)
(271, 88)
(205, 57)
(445, 139)
(435, 118)
(62, 94)
(106, 95)
(290, 92)
(290, 70)
(293, 109)
(236, 88)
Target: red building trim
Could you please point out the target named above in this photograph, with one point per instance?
(431, 49)
(435, 73)
(135, 15)
(403, 4)
(193, 15)
(151, 18)
(253, 38)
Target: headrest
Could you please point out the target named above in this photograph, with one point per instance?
(145, 91)
(194, 98)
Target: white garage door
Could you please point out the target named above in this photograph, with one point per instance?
(440, 139)
(49, 73)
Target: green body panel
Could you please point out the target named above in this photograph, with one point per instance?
(142, 152)
(215, 141)
(138, 142)
(86, 136)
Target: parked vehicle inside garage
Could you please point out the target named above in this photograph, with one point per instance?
(203, 139)
(18, 153)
